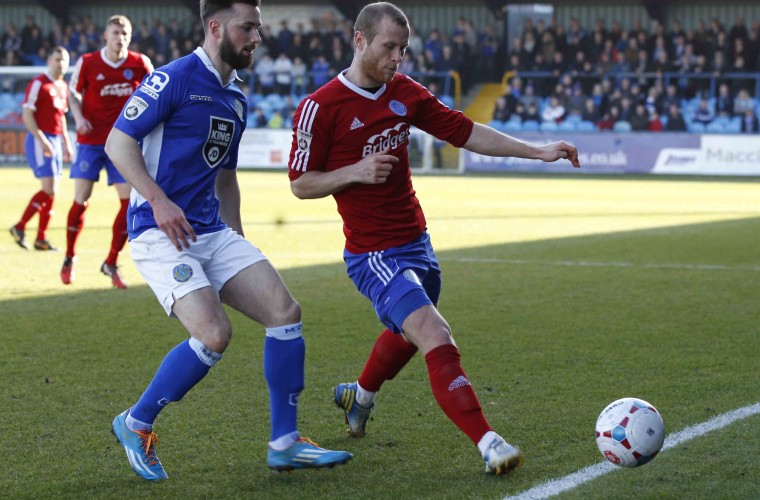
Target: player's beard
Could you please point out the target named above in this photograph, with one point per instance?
(236, 59)
(372, 68)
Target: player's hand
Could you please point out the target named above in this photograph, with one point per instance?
(375, 168)
(559, 150)
(85, 127)
(47, 148)
(171, 220)
(68, 154)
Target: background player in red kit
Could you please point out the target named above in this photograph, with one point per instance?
(101, 84)
(350, 141)
(47, 143)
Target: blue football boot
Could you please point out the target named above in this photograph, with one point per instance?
(305, 454)
(141, 449)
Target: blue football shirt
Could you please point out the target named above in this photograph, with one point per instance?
(190, 124)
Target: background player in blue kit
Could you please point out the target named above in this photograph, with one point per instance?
(186, 236)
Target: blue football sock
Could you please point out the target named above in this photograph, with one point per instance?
(284, 355)
(182, 368)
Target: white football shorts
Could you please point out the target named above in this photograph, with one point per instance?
(212, 260)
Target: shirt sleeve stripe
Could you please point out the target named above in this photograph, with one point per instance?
(305, 122)
(34, 93)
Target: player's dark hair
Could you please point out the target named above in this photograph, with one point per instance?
(58, 49)
(210, 7)
(368, 20)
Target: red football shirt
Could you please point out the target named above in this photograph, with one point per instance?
(105, 87)
(340, 124)
(48, 98)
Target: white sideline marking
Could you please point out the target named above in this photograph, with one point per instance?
(581, 263)
(557, 486)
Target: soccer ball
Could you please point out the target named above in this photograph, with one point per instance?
(629, 432)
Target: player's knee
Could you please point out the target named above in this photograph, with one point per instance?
(218, 337)
(285, 312)
(441, 333)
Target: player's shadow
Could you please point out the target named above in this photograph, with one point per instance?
(73, 360)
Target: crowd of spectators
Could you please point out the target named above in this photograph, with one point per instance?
(632, 79)
(604, 75)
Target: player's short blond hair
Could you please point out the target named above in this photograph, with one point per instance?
(119, 20)
(368, 20)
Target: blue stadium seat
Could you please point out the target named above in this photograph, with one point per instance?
(276, 101)
(621, 126)
(734, 125)
(7, 100)
(549, 127)
(447, 100)
(530, 126)
(567, 126)
(723, 120)
(496, 124)
(512, 126)
(586, 126)
(696, 127)
(715, 127)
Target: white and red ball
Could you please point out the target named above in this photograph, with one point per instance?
(630, 432)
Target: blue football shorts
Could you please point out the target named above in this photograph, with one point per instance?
(90, 161)
(398, 280)
(44, 166)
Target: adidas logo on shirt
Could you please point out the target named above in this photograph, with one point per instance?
(100, 77)
(356, 124)
(458, 382)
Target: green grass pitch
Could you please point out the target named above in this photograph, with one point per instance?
(564, 293)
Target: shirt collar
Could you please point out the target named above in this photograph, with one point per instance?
(210, 66)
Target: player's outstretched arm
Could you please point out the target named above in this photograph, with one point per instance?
(490, 142)
(128, 159)
(372, 169)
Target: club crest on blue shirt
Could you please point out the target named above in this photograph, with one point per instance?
(182, 273)
(397, 108)
(221, 131)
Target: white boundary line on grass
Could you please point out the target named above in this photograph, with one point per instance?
(581, 263)
(557, 486)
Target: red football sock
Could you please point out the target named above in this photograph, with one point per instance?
(454, 392)
(119, 238)
(74, 224)
(45, 212)
(34, 206)
(389, 355)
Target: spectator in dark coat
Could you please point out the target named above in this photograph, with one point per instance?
(676, 122)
